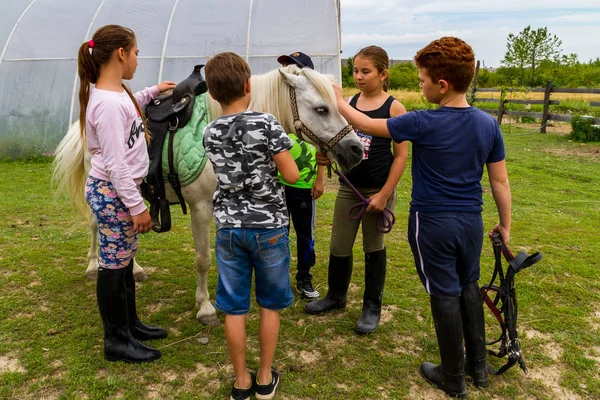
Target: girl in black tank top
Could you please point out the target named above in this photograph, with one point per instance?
(374, 169)
(375, 178)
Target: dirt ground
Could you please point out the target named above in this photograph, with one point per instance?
(556, 127)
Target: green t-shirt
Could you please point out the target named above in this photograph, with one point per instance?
(303, 154)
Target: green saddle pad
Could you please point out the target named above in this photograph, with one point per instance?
(189, 157)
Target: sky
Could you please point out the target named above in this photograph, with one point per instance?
(402, 27)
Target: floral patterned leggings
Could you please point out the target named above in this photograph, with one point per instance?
(117, 240)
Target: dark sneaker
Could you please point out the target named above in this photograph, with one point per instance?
(267, 392)
(306, 289)
(243, 394)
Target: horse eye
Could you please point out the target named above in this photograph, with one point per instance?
(322, 110)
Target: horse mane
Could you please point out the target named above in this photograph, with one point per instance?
(324, 85)
(272, 95)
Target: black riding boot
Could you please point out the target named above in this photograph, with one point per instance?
(449, 375)
(119, 345)
(138, 329)
(375, 265)
(471, 308)
(338, 279)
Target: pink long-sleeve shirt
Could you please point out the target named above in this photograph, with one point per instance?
(115, 138)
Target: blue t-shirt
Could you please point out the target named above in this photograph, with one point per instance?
(450, 147)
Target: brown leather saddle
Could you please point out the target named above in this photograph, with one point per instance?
(164, 116)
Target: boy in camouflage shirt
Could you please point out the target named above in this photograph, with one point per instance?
(246, 149)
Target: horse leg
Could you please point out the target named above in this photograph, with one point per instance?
(92, 270)
(198, 195)
(138, 272)
(201, 220)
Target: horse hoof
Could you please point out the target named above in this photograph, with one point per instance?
(208, 320)
(140, 275)
(91, 273)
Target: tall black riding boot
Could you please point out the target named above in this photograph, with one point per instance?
(119, 345)
(375, 266)
(338, 279)
(138, 329)
(449, 375)
(474, 331)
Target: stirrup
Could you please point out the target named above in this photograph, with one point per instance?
(159, 213)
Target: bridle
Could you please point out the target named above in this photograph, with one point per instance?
(386, 218)
(504, 304)
(303, 132)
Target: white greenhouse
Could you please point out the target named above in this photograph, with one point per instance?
(39, 40)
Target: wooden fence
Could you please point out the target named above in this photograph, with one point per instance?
(545, 115)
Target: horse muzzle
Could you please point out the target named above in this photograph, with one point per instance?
(348, 153)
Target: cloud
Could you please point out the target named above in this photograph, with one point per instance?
(402, 27)
(577, 18)
(408, 38)
(467, 6)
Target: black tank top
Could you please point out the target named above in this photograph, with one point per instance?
(373, 170)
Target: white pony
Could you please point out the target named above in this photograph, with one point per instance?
(316, 113)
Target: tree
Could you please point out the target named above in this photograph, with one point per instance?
(404, 76)
(529, 48)
(517, 54)
(347, 74)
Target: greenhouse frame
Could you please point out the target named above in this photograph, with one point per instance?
(39, 40)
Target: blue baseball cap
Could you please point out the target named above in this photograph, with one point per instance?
(298, 58)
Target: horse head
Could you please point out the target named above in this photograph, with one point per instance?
(315, 116)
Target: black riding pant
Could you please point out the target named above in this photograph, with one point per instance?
(301, 208)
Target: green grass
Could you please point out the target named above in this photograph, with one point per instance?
(51, 333)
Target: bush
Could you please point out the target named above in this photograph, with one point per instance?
(404, 76)
(347, 75)
(584, 129)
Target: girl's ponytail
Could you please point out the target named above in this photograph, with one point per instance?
(88, 74)
(95, 53)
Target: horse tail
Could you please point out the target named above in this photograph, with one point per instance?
(70, 172)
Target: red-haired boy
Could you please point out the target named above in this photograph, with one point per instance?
(451, 145)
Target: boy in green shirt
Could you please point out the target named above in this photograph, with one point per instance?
(300, 197)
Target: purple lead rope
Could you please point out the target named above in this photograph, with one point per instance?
(385, 218)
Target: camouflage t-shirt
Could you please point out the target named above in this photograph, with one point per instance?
(241, 149)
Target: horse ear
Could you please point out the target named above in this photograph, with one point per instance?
(290, 79)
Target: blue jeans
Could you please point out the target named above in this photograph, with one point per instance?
(239, 251)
